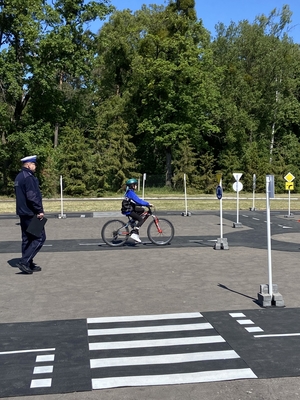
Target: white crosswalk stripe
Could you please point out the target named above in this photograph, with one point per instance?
(160, 350)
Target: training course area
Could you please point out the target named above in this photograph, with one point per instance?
(146, 321)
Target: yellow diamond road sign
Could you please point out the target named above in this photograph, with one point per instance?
(289, 177)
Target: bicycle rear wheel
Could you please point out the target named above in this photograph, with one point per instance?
(161, 234)
(115, 233)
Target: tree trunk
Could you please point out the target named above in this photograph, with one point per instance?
(168, 167)
(56, 135)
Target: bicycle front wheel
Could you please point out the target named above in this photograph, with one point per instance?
(161, 232)
(115, 233)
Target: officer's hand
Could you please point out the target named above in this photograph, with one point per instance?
(40, 215)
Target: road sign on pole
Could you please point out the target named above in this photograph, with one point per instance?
(253, 198)
(268, 296)
(289, 177)
(237, 187)
(222, 243)
(237, 175)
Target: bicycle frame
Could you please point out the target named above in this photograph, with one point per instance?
(146, 215)
(159, 231)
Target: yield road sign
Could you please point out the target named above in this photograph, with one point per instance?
(289, 177)
(237, 175)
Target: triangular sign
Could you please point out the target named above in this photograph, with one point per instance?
(219, 177)
(237, 175)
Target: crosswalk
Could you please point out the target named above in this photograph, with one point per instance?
(162, 349)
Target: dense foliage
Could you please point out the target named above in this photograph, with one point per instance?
(151, 92)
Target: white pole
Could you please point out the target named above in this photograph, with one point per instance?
(289, 203)
(61, 197)
(237, 201)
(269, 235)
(185, 198)
(221, 213)
(254, 187)
(144, 178)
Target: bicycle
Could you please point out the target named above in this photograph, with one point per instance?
(160, 231)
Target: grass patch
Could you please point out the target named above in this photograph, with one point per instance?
(162, 202)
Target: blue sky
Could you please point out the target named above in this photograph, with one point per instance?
(213, 11)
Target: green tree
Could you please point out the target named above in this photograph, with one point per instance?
(174, 90)
(114, 153)
(74, 162)
(45, 54)
(259, 90)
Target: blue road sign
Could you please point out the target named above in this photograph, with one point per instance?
(219, 192)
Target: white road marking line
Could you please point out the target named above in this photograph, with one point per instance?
(277, 335)
(147, 329)
(38, 383)
(254, 329)
(256, 219)
(163, 359)
(131, 344)
(237, 315)
(173, 379)
(143, 317)
(89, 244)
(245, 321)
(246, 216)
(47, 369)
(49, 357)
(26, 351)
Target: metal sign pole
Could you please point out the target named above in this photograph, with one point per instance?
(144, 178)
(289, 213)
(222, 243)
(237, 186)
(269, 295)
(61, 198)
(269, 235)
(254, 187)
(185, 198)
(237, 202)
(221, 214)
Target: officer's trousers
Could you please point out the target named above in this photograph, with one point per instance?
(31, 245)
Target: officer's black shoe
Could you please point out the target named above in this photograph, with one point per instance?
(24, 268)
(34, 267)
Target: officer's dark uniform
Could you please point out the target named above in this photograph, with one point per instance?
(28, 204)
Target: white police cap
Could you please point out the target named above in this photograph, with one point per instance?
(29, 159)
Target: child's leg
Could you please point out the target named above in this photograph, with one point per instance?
(137, 216)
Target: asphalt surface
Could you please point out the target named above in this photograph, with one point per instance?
(82, 280)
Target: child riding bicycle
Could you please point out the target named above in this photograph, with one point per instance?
(132, 207)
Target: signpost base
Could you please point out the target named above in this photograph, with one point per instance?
(186, 214)
(289, 216)
(266, 300)
(252, 209)
(221, 244)
(62, 216)
(237, 225)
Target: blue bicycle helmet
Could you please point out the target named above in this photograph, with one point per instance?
(131, 181)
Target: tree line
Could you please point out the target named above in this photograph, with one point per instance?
(150, 92)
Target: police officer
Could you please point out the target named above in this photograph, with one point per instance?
(28, 204)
